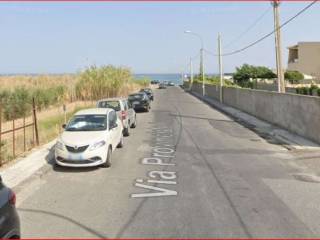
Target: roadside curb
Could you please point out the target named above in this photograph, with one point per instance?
(27, 166)
(289, 140)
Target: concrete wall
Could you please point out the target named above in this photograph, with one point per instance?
(297, 113)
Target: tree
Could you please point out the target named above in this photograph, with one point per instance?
(293, 76)
(246, 72)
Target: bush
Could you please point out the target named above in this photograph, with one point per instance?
(312, 88)
(18, 102)
(293, 76)
(318, 92)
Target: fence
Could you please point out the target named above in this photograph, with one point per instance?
(17, 135)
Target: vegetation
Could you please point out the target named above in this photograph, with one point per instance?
(308, 90)
(214, 80)
(246, 73)
(293, 77)
(18, 102)
(106, 81)
(16, 93)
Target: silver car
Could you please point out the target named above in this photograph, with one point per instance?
(125, 112)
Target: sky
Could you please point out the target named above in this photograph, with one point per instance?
(147, 37)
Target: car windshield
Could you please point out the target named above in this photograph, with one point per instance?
(87, 123)
(115, 105)
(136, 96)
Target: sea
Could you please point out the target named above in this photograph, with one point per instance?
(171, 77)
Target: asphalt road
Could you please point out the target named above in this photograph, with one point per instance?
(186, 171)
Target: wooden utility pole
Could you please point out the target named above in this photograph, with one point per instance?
(220, 68)
(277, 34)
(191, 74)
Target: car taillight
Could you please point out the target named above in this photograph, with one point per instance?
(123, 115)
(12, 198)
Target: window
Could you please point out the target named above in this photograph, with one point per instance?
(115, 105)
(87, 123)
(112, 119)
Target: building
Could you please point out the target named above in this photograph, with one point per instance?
(305, 58)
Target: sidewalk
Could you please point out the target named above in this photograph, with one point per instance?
(287, 139)
(27, 166)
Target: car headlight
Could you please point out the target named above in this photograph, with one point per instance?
(97, 145)
(59, 145)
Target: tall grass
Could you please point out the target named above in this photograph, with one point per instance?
(17, 92)
(106, 81)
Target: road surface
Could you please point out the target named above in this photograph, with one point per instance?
(186, 171)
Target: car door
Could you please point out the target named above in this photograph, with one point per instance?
(112, 117)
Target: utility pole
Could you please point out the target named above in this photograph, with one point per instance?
(202, 71)
(220, 67)
(277, 34)
(191, 74)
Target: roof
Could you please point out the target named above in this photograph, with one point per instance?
(91, 111)
(304, 43)
(293, 47)
(112, 99)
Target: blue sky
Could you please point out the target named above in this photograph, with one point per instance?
(145, 36)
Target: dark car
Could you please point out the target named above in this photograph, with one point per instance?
(9, 219)
(149, 92)
(154, 82)
(140, 101)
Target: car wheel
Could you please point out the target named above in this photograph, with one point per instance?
(126, 131)
(121, 143)
(107, 163)
(135, 122)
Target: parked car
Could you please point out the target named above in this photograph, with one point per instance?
(154, 82)
(9, 219)
(125, 112)
(140, 101)
(149, 92)
(162, 86)
(89, 138)
(171, 84)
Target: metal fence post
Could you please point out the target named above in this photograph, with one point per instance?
(24, 133)
(13, 137)
(35, 121)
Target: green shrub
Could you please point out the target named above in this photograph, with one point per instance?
(293, 76)
(318, 92)
(312, 88)
(18, 102)
(305, 90)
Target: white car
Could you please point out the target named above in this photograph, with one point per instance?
(125, 112)
(89, 139)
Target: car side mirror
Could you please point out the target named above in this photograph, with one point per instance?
(64, 126)
(113, 126)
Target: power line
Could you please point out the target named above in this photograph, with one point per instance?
(249, 28)
(267, 35)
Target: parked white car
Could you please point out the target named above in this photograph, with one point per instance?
(89, 139)
(125, 112)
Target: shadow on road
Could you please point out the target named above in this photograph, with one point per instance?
(68, 219)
